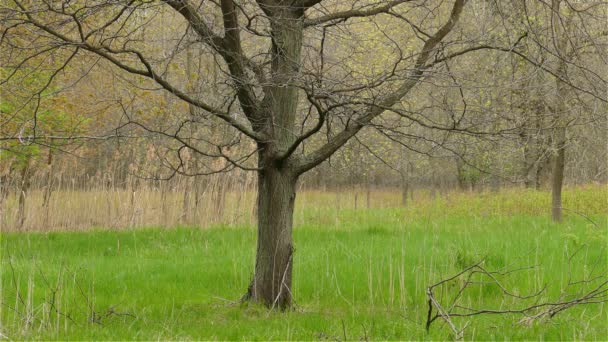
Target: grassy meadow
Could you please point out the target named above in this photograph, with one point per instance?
(360, 274)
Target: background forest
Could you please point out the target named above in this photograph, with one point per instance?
(72, 123)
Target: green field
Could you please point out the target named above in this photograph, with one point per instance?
(359, 274)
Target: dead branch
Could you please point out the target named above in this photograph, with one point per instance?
(532, 313)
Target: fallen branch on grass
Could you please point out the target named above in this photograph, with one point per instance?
(532, 313)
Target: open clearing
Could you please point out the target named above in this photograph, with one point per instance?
(361, 276)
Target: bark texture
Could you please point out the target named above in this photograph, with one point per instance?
(271, 283)
(558, 177)
(559, 137)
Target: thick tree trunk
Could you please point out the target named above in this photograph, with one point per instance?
(271, 283)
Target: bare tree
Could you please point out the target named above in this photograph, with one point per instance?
(287, 90)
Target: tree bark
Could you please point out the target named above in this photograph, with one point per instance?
(277, 178)
(271, 283)
(559, 138)
(558, 176)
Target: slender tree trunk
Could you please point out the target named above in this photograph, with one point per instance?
(48, 191)
(164, 204)
(4, 189)
(198, 194)
(558, 176)
(271, 283)
(186, 202)
(542, 175)
(460, 175)
(559, 158)
(49, 180)
(131, 185)
(25, 185)
(529, 160)
(405, 188)
(559, 138)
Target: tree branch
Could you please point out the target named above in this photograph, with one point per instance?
(148, 72)
(354, 13)
(374, 110)
(229, 47)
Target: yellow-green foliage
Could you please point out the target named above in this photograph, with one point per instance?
(587, 205)
(589, 200)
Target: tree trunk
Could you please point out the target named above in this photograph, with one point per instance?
(460, 175)
(559, 138)
(48, 191)
(25, 186)
(4, 189)
(558, 176)
(271, 283)
(530, 160)
(405, 189)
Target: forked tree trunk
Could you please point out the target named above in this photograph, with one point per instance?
(271, 283)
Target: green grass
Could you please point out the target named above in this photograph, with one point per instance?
(361, 275)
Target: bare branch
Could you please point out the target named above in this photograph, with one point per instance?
(354, 13)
